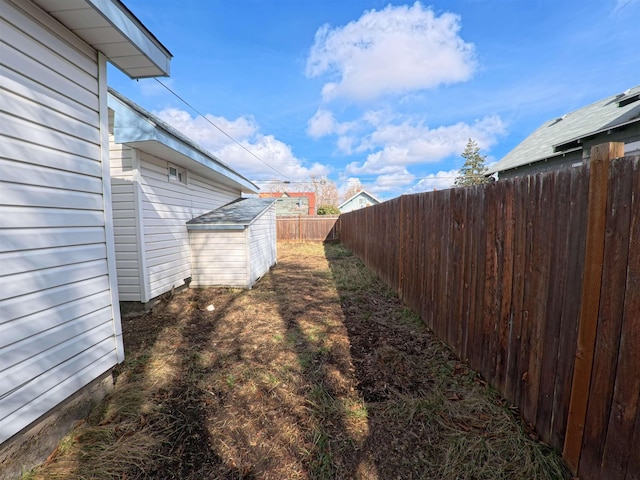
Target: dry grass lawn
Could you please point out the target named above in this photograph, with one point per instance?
(319, 372)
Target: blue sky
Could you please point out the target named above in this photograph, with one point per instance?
(384, 93)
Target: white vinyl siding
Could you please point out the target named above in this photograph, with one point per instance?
(233, 255)
(57, 325)
(125, 193)
(220, 258)
(262, 244)
(166, 208)
(150, 215)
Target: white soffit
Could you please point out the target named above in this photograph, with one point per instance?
(109, 27)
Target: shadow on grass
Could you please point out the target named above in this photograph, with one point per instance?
(319, 372)
(154, 423)
(429, 415)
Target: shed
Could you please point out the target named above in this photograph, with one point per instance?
(160, 180)
(60, 327)
(233, 245)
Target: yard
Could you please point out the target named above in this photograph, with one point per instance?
(318, 372)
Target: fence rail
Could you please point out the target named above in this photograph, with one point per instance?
(317, 228)
(535, 282)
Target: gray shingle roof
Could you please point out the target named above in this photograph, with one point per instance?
(238, 214)
(561, 134)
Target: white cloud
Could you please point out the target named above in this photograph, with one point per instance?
(246, 131)
(392, 182)
(394, 50)
(622, 4)
(435, 181)
(321, 124)
(397, 146)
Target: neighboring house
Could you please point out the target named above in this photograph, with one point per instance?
(293, 203)
(360, 200)
(567, 140)
(160, 180)
(234, 245)
(60, 327)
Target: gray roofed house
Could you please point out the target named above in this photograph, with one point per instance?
(567, 140)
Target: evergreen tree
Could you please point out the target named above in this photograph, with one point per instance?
(473, 170)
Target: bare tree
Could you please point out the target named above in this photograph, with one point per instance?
(325, 190)
(352, 188)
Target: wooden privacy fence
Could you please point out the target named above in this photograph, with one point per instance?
(534, 281)
(316, 228)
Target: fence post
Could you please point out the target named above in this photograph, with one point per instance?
(401, 250)
(601, 156)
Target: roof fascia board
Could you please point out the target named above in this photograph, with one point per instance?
(132, 126)
(217, 226)
(562, 153)
(128, 25)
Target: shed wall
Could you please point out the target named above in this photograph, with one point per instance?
(58, 321)
(262, 244)
(219, 258)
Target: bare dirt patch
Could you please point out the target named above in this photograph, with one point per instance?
(319, 372)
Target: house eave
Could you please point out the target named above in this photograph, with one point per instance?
(562, 147)
(111, 28)
(139, 129)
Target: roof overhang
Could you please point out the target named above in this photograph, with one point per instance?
(139, 129)
(577, 141)
(490, 171)
(109, 27)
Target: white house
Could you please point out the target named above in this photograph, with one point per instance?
(234, 245)
(360, 200)
(60, 325)
(160, 180)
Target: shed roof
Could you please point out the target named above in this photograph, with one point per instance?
(565, 134)
(140, 129)
(238, 214)
(111, 28)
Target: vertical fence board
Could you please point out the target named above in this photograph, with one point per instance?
(465, 280)
(614, 272)
(590, 298)
(537, 292)
(625, 406)
(559, 219)
(504, 319)
(577, 219)
(524, 348)
(489, 313)
(455, 318)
